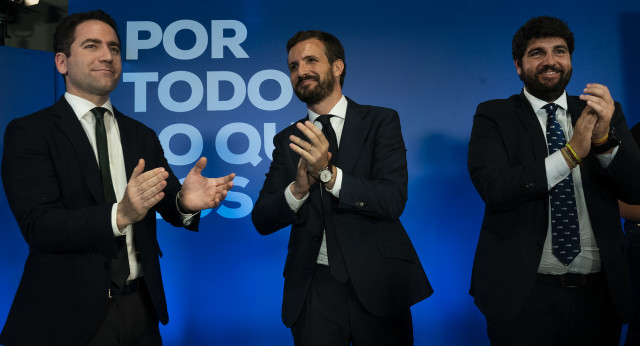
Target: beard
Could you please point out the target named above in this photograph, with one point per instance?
(544, 90)
(314, 95)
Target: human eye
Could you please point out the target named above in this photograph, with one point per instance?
(534, 53)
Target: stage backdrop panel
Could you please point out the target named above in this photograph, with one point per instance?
(211, 79)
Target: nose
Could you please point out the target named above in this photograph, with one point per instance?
(106, 54)
(549, 59)
(303, 70)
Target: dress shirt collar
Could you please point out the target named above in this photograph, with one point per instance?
(339, 110)
(537, 103)
(81, 106)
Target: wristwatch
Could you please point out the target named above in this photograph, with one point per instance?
(326, 174)
(611, 142)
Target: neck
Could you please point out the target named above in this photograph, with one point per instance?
(549, 96)
(325, 106)
(97, 100)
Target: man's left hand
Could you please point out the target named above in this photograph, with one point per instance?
(601, 103)
(200, 192)
(315, 151)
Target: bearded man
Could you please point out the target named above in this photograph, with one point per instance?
(550, 266)
(339, 179)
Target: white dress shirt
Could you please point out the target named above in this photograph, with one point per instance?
(588, 260)
(82, 108)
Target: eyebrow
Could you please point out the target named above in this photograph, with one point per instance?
(542, 48)
(95, 40)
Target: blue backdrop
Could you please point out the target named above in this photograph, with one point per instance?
(210, 78)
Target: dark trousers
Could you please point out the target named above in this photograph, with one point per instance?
(561, 316)
(130, 321)
(633, 255)
(333, 315)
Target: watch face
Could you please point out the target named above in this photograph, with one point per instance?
(325, 175)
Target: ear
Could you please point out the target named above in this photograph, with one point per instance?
(338, 67)
(61, 63)
(518, 67)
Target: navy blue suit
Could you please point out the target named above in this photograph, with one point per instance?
(383, 266)
(507, 152)
(54, 188)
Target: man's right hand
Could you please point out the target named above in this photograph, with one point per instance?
(143, 191)
(304, 180)
(582, 132)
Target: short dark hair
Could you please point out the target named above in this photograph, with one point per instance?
(540, 27)
(332, 47)
(66, 31)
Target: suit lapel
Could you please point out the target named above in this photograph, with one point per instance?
(131, 155)
(354, 131)
(575, 109)
(70, 127)
(130, 148)
(530, 122)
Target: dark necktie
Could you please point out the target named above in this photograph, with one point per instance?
(120, 265)
(337, 266)
(565, 231)
(330, 134)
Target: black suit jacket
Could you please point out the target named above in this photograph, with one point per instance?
(384, 268)
(54, 188)
(506, 163)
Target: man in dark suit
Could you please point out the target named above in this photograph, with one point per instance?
(84, 183)
(550, 266)
(351, 273)
(631, 214)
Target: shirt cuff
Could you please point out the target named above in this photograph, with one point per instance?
(114, 222)
(557, 169)
(294, 203)
(337, 186)
(605, 159)
(187, 218)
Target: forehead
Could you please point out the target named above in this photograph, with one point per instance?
(305, 48)
(546, 42)
(95, 29)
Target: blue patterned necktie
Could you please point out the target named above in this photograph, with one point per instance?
(565, 232)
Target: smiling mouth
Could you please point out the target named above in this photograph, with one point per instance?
(550, 72)
(305, 82)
